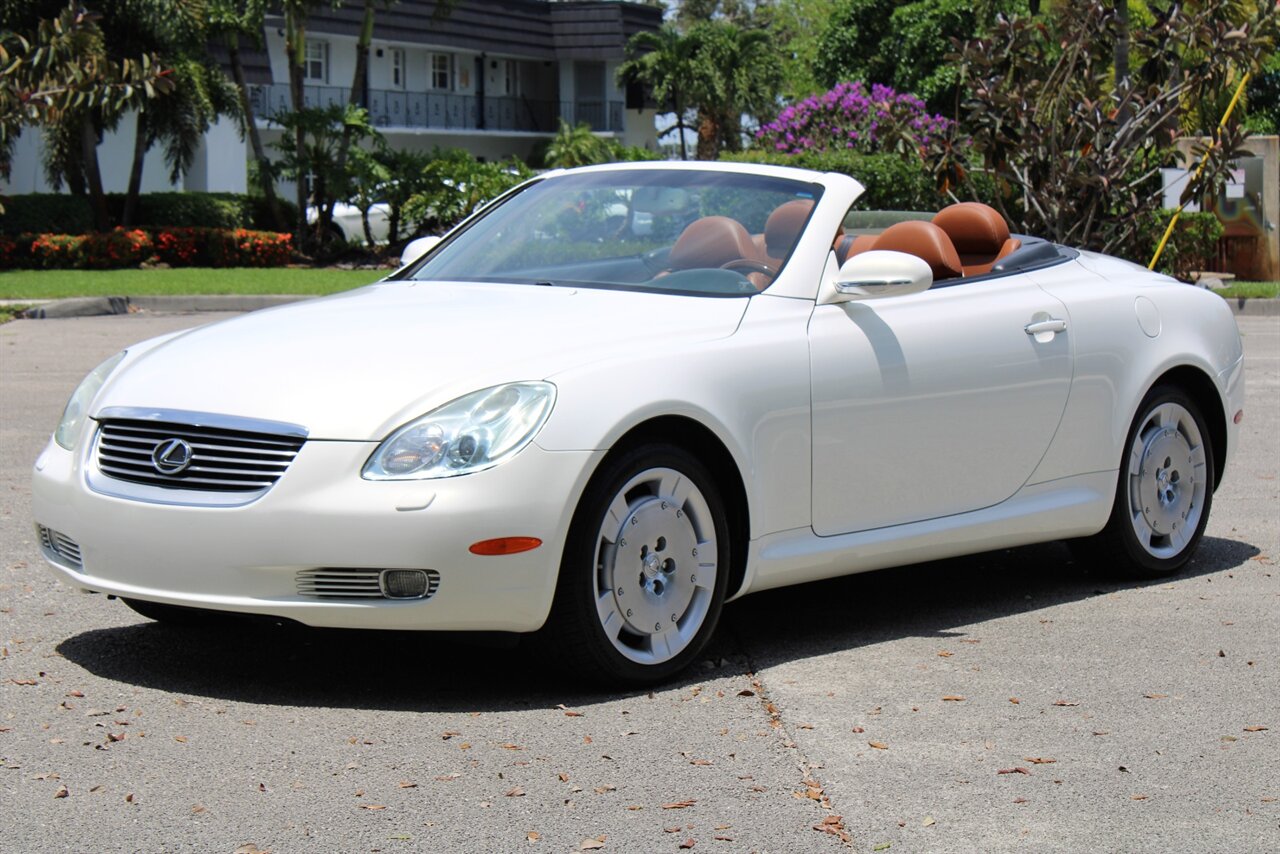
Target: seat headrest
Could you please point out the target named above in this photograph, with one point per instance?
(924, 240)
(974, 228)
(711, 242)
(783, 227)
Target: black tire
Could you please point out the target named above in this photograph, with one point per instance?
(176, 615)
(667, 569)
(1158, 488)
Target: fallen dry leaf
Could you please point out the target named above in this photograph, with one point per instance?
(510, 746)
(516, 792)
(607, 787)
(1014, 700)
(1039, 760)
(1137, 797)
(591, 844)
(675, 829)
(1019, 800)
(945, 653)
(699, 761)
(1255, 729)
(1065, 703)
(858, 729)
(928, 821)
(953, 698)
(878, 745)
(62, 792)
(405, 784)
(533, 836)
(372, 807)
(746, 692)
(688, 843)
(1018, 770)
(250, 848)
(444, 778)
(564, 778)
(182, 739)
(679, 805)
(1155, 696)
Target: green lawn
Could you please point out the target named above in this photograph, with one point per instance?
(55, 284)
(1252, 289)
(184, 281)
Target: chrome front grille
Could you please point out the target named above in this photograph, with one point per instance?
(59, 547)
(222, 458)
(358, 583)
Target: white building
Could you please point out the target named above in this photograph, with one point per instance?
(493, 78)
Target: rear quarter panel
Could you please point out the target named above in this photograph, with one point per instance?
(1117, 362)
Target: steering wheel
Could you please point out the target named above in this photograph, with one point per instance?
(746, 265)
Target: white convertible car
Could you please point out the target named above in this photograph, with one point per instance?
(559, 420)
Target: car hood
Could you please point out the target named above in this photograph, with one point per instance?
(356, 365)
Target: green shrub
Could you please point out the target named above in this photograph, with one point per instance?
(46, 213)
(186, 210)
(115, 249)
(221, 247)
(63, 213)
(1192, 246)
(55, 251)
(892, 183)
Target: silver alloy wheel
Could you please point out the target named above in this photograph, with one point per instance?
(1167, 480)
(655, 566)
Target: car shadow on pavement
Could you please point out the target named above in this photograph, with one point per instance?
(256, 662)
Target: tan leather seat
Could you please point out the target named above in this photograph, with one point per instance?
(712, 241)
(782, 229)
(924, 240)
(848, 245)
(979, 234)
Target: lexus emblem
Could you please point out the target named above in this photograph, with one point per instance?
(172, 456)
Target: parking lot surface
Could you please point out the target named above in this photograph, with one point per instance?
(1015, 700)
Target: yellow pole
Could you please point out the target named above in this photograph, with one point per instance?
(1203, 160)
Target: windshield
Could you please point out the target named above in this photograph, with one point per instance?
(681, 231)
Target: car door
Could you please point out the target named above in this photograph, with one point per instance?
(935, 403)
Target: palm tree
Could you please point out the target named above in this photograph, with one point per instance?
(575, 146)
(662, 61)
(735, 71)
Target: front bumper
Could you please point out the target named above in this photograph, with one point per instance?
(321, 514)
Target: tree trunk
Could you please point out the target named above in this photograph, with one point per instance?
(708, 135)
(679, 105)
(295, 47)
(265, 179)
(359, 85)
(140, 145)
(92, 175)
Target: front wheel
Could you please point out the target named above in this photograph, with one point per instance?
(644, 573)
(1164, 492)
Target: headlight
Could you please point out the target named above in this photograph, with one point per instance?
(78, 405)
(470, 434)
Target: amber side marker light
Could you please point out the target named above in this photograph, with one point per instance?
(505, 546)
(1239, 416)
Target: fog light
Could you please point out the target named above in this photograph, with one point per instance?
(404, 583)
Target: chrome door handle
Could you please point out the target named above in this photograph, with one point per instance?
(1052, 325)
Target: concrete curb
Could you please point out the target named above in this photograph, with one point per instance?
(95, 306)
(91, 306)
(1257, 307)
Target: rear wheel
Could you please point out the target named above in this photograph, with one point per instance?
(644, 573)
(1164, 492)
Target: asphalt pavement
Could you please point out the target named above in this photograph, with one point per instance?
(1015, 700)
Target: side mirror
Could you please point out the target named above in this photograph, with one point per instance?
(880, 273)
(417, 248)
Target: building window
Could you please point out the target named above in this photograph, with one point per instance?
(316, 64)
(441, 71)
(397, 68)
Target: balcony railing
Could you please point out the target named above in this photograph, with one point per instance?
(392, 109)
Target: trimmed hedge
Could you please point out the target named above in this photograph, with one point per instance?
(892, 183)
(177, 247)
(62, 213)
